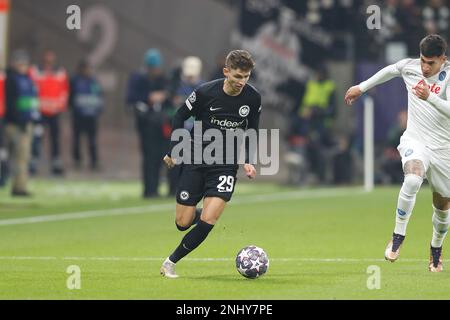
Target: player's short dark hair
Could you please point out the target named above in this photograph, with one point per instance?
(239, 59)
(433, 45)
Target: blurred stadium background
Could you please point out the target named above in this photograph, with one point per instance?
(291, 41)
(305, 35)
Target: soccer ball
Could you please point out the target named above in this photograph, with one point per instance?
(252, 262)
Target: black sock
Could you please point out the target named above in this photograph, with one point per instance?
(191, 240)
(181, 228)
(198, 213)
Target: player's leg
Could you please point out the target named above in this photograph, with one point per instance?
(189, 193)
(414, 173)
(184, 216)
(439, 178)
(218, 184)
(184, 219)
(441, 223)
(212, 209)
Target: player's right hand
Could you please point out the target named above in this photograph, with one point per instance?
(250, 170)
(352, 94)
(169, 162)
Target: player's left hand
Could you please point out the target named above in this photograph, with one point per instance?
(250, 171)
(422, 91)
(169, 162)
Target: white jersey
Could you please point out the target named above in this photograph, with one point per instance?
(428, 121)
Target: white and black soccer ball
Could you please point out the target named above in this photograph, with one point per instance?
(252, 262)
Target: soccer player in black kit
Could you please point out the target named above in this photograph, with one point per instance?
(224, 104)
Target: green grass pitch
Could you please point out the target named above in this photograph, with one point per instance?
(322, 244)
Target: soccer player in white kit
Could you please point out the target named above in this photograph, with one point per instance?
(425, 144)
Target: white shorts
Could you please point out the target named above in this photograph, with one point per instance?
(436, 163)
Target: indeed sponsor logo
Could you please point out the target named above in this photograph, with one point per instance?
(225, 123)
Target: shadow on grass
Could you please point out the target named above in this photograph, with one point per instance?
(286, 278)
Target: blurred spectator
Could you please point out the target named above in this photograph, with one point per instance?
(218, 70)
(400, 24)
(369, 43)
(86, 103)
(342, 161)
(436, 17)
(21, 110)
(189, 80)
(295, 157)
(391, 27)
(3, 152)
(2, 94)
(317, 111)
(147, 94)
(391, 162)
(53, 88)
(410, 18)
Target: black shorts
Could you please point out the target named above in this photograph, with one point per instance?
(198, 181)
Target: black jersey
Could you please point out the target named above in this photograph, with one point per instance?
(218, 110)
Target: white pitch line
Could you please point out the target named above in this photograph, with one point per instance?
(88, 214)
(279, 196)
(344, 260)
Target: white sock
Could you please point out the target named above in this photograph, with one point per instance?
(441, 222)
(406, 201)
